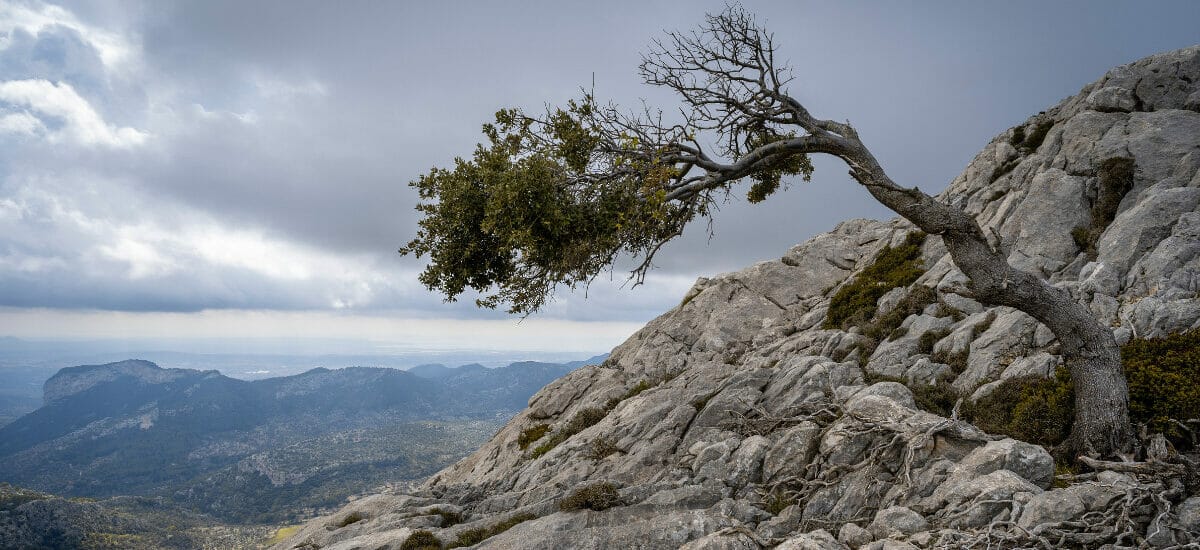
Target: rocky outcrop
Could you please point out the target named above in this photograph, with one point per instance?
(736, 420)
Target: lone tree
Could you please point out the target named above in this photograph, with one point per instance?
(554, 198)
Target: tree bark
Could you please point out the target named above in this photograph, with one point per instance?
(1101, 426)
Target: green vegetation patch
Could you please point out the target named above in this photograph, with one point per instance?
(422, 540)
(471, 537)
(12, 496)
(1162, 374)
(1030, 408)
(1162, 394)
(1116, 179)
(597, 496)
(776, 502)
(531, 434)
(855, 302)
(583, 420)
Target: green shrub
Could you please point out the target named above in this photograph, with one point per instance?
(640, 387)
(1030, 408)
(583, 420)
(1036, 137)
(936, 398)
(597, 496)
(531, 434)
(1162, 375)
(471, 537)
(421, 540)
(855, 302)
(777, 502)
(927, 340)
(601, 447)
(1018, 136)
(1116, 179)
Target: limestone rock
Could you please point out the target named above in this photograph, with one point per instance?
(756, 409)
(897, 520)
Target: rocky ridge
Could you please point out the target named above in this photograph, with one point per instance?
(736, 420)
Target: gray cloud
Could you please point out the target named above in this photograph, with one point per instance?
(279, 136)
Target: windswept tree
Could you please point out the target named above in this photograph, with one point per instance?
(553, 198)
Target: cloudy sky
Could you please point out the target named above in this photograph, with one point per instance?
(239, 169)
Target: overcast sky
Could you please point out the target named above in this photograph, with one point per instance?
(240, 169)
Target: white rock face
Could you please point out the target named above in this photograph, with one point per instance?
(763, 428)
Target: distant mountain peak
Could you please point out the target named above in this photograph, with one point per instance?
(72, 380)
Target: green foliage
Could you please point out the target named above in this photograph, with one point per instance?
(471, 537)
(929, 339)
(601, 447)
(12, 496)
(527, 212)
(640, 387)
(1030, 408)
(855, 302)
(597, 496)
(1062, 469)
(531, 434)
(1018, 136)
(888, 324)
(582, 420)
(422, 540)
(936, 398)
(776, 502)
(767, 180)
(1037, 136)
(1162, 374)
(1116, 179)
(956, 361)
(1004, 168)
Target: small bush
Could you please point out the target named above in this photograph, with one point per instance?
(1162, 374)
(471, 537)
(531, 434)
(1116, 179)
(1030, 408)
(1018, 136)
(936, 398)
(583, 420)
(640, 387)
(855, 302)
(927, 340)
(601, 447)
(956, 361)
(448, 517)
(777, 502)
(597, 496)
(421, 540)
(982, 326)
(1036, 137)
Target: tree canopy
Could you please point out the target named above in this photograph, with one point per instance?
(556, 198)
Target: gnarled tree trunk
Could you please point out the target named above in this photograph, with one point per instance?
(1091, 353)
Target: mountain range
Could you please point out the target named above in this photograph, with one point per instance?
(256, 451)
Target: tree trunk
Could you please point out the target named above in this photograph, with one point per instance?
(1101, 426)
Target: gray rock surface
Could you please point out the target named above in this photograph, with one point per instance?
(761, 428)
